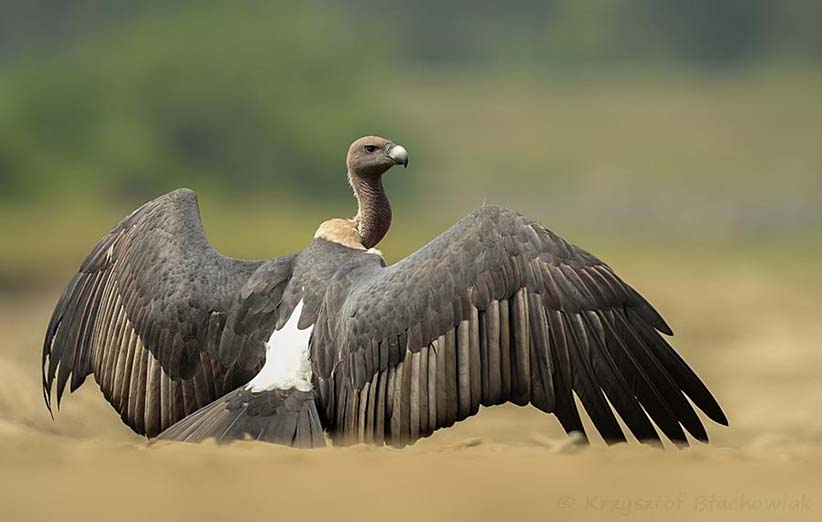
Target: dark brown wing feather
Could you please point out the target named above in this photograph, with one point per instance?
(164, 322)
(499, 309)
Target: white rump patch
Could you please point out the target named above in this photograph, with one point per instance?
(287, 364)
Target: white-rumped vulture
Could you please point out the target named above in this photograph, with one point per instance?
(187, 344)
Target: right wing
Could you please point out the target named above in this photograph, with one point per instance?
(500, 309)
(164, 322)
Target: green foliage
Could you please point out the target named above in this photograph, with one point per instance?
(112, 99)
(244, 97)
(581, 33)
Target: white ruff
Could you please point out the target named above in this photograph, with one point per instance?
(287, 363)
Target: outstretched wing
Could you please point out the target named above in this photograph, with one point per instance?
(164, 322)
(499, 309)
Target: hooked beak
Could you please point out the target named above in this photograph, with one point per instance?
(398, 154)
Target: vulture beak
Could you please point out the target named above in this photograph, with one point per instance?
(398, 154)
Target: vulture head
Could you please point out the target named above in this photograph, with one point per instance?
(368, 159)
(373, 155)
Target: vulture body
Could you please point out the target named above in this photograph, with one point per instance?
(187, 344)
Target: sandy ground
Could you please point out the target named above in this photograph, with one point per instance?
(753, 339)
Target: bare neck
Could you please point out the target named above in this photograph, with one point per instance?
(373, 217)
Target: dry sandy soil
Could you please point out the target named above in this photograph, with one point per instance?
(753, 339)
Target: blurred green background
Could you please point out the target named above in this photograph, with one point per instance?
(682, 128)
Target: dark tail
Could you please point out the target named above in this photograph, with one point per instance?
(282, 417)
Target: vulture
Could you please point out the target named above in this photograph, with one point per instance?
(331, 343)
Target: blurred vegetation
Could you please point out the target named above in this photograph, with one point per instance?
(209, 95)
(133, 98)
(685, 126)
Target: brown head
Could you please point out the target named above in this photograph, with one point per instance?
(368, 159)
(372, 156)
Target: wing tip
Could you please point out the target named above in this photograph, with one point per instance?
(664, 328)
(718, 416)
(47, 400)
(184, 193)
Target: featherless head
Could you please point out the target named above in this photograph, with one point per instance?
(373, 155)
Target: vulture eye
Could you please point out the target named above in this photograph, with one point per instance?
(370, 148)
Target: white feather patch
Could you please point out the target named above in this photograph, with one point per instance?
(287, 364)
(375, 252)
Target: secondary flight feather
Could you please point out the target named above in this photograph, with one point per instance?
(187, 344)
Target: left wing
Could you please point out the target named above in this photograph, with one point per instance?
(164, 322)
(500, 309)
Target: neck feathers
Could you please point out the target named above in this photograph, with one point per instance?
(373, 217)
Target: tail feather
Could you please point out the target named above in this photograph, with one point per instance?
(287, 417)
